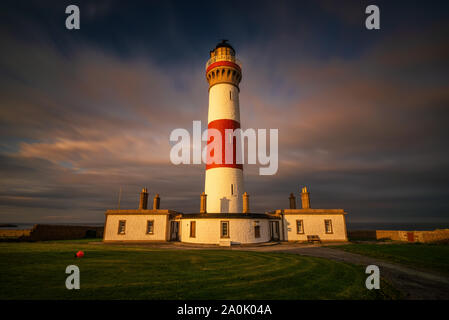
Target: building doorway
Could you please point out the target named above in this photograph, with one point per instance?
(274, 230)
(174, 230)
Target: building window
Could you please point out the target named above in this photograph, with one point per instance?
(232, 189)
(150, 227)
(299, 227)
(121, 227)
(256, 231)
(192, 229)
(328, 226)
(224, 230)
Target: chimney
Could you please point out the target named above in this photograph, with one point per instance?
(203, 203)
(245, 203)
(292, 199)
(143, 204)
(156, 202)
(305, 198)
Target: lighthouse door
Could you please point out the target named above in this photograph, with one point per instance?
(174, 231)
(274, 230)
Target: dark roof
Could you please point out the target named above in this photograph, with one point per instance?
(224, 43)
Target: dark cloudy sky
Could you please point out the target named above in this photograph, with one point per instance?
(362, 115)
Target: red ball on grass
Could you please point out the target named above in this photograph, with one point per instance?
(79, 254)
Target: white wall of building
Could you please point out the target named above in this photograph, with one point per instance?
(240, 231)
(136, 227)
(314, 225)
(208, 231)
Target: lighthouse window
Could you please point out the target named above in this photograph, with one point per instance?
(230, 95)
(150, 227)
(224, 229)
(256, 231)
(121, 227)
(192, 229)
(232, 189)
(328, 226)
(299, 227)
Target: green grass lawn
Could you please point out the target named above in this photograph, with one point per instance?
(431, 257)
(37, 271)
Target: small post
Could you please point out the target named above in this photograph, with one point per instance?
(156, 202)
(305, 199)
(245, 203)
(292, 199)
(203, 203)
(143, 203)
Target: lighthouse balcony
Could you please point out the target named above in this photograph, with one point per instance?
(223, 58)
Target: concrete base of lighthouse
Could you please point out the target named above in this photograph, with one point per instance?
(241, 228)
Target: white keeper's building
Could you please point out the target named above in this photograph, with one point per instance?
(224, 217)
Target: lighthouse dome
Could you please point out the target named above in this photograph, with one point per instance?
(223, 48)
(224, 44)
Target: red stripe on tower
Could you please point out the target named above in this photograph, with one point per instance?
(223, 64)
(222, 125)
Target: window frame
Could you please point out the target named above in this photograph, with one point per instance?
(152, 226)
(257, 231)
(302, 226)
(221, 230)
(193, 228)
(124, 227)
(330, 224)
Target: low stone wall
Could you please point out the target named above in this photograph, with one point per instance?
(362, 235)
(14, 234)
(60, 232)
(51, 232)
(439, 235)
(391, 235)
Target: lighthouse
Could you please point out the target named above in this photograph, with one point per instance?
(224, 181)
(225, 216)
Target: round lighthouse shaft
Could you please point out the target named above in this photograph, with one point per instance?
(224, 181)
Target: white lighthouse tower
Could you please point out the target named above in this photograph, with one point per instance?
(224, 181)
